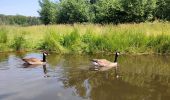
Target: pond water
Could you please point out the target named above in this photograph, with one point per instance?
(67, 77)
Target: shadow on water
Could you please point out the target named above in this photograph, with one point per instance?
(67, 77)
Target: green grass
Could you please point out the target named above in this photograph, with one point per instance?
(88, 38)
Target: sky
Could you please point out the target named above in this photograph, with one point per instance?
(20, 7)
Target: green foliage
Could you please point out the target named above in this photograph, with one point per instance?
(52, 42)
(3, 39)
(72, 42)
(160, 43)
(105, 11)
(18, 42)
(127, 38)
(163, 9)
(94, 11)
(149, 8)
(134, 10)
(3, 35)
(18, 20)
(72, 11)
(48, 11)
(88, 38)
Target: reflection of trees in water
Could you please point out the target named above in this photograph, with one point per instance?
(54, 59)
(3, 56)
(142, 70)
(101, 86)
(143, 77)
(150, 72)
(8, 60)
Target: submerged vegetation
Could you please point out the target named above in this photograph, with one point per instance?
(88, 38)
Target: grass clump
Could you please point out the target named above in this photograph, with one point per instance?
(18, 42)
(52, 42)
(3, 39)
(3, 35)
(73, 42)
(159, 43)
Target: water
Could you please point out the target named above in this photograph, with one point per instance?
(67, 77)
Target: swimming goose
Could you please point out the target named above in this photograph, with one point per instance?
(35, 61)
(105, 63)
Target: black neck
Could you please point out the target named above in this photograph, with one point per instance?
(44, 58)
(116, 58)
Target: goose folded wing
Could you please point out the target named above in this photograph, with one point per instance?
(31, 60)
(103, 62)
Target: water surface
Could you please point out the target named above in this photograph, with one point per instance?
(67, 77)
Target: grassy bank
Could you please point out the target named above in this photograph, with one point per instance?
(89, 38)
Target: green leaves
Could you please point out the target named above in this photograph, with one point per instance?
(103, 11)
(48, 11)
(163, 9)
(73, 11)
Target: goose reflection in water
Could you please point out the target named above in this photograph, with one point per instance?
(45, 71)
(25, 65)
(44, 67)
(116, 69)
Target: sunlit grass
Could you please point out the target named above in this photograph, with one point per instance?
(88, 38)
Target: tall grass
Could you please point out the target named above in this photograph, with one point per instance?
(3, 39)
(18, 43)
(52, 42)
(88, 38)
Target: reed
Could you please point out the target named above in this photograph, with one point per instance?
(88, 38)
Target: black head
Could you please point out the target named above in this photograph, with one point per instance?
(117, 53)
(116, 56)
(45, 53)
(44, 56)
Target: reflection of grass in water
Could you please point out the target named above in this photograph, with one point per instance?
(136, 70)
(141, 75)
(89, 38)
(143, 70)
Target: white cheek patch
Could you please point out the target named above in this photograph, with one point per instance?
(45, 54)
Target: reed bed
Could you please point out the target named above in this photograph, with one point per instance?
(88, 38)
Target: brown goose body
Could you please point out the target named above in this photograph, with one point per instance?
(105, 63)
(34, 61)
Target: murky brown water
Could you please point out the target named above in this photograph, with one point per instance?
(67, 77)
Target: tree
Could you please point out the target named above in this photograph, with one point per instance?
(47, 12)
(134, 10)
(93, 1)
(73, 11)
(18, 20)
(149, 10)
(163, 9)
(109, 11)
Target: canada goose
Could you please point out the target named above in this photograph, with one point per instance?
(35, 61)
(105, 63)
